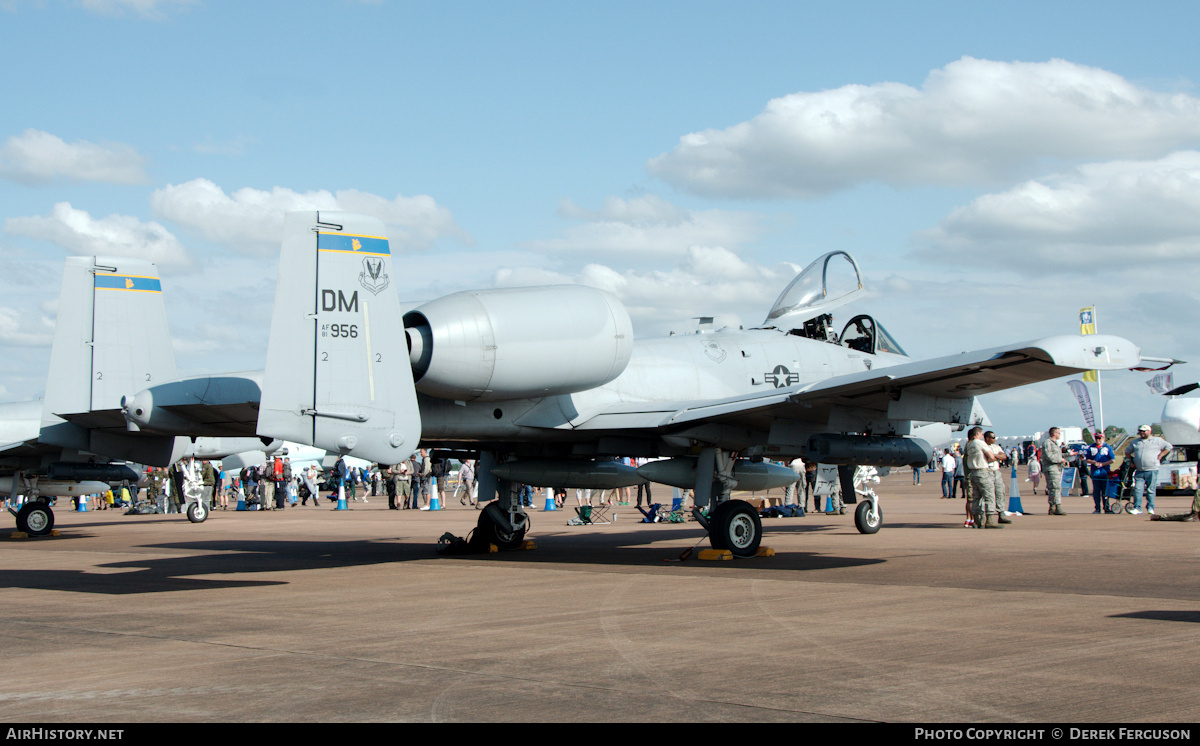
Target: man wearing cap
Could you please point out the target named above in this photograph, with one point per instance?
(978, 455)
(1052, 467)
(1099, 457)
(1147, 452)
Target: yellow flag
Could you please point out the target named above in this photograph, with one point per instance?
(1087, 320)
(1087, 325)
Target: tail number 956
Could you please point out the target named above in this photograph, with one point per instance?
(349, 331)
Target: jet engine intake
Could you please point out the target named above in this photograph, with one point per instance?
(868, 450)
(518, 343)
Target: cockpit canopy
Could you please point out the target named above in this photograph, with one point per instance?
(830, 281)
(864, 334)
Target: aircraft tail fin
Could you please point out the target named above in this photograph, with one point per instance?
(338, 375)
(110, 338)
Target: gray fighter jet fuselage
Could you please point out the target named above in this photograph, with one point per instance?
(549, 381)
(702, 367)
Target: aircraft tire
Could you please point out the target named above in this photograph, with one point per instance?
(865, 521)
(35, 518)
(197, 512)
(735, 525)
(487, 531)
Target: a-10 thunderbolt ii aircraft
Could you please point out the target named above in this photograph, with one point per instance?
(545, 385)
(110, 337)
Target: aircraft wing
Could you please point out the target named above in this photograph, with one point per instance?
(936, 390)
(20, 426)
(25, 449)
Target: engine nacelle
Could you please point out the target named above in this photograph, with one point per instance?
(518, 343)
(868, 450)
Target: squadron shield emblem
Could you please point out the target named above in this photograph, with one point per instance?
(714, 352)
(372, 277)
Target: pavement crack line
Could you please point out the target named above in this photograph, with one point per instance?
(437, 669)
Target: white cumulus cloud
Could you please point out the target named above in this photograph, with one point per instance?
(251, 220)
(706, 281)
(116, 235)
(648, 226)
(972, 121)
(1095, 216)
(23, 329)
(36, 157)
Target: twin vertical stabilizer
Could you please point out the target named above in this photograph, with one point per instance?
(110, 339)
(338, 374)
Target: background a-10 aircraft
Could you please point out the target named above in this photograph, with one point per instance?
(544, 385)
(110, 338)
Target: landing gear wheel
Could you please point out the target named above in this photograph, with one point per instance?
(488, 531)
(735, 525)
(35, 518)
(866, 520)
(197, 512)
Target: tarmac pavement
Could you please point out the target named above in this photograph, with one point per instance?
(312, 615)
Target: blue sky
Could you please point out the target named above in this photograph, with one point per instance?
(993, 166)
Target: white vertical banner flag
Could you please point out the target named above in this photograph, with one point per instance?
(1085, 402)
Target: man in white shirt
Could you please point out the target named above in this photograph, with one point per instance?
(1147, 452)
(947, 475)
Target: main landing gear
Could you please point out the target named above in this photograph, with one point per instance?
(35, 517)
(731, 524)
(504, 528)
(502, 521)
(735, 525)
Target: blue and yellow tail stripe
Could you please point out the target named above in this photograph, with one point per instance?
(352, 244)
(131, 283)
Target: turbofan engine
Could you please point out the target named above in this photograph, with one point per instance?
(518, 343)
